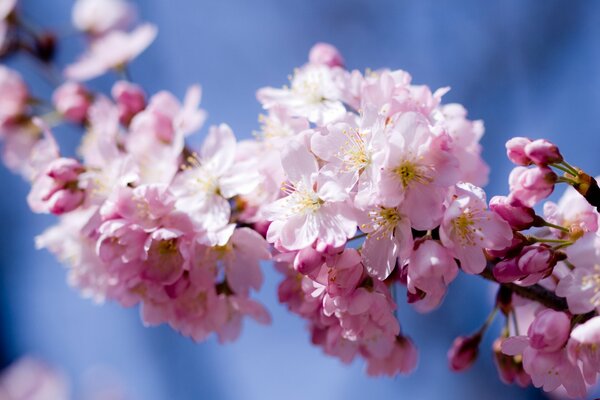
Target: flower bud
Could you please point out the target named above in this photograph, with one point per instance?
(72, 101)
(130, 99)
(507, 271)
(325, 54)
(307, 260)
(64, 201)
(549, 331)
(56, 190)
(510, 368)
(515, 150)
(65, 169)
(542, 152)
(519, 216)
(536, 259)
(530, 185)
(463, 352)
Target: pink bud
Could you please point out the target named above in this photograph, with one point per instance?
(307, 260)
(130, 99)
(515, 150)
(463, 352)
(510, 370)
(507, 271)
(72, 101)
(549, 331)
(325, 54)
(530, 185)
(66, 200)
(536, 259)
(519, 216)
(64, 169)
(542, 152)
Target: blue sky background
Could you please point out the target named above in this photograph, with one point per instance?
(525, 67)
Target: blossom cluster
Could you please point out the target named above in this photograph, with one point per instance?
(358, 186)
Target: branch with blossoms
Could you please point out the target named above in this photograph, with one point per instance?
(355, 184)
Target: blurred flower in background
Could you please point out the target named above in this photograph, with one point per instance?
(518, 66)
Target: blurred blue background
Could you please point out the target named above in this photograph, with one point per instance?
(525, 67)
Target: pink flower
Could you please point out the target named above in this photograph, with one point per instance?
(31, 379)
(315, 207)
(130, 99)
(278, 126)
(530, 185)
(467, 228)
(466, 135)
(241, 259)
(314, 94)
(114, 50)
(515, 150)
(72, 100)
(389, 239)
(429, 272)
(352, 156)
(584, 347)
(573, 212)
(13, 95)
(98, 17)
(325, 54)
(581, 286)
(57, 190)
(417, 171)
(214, 177)
(544, 355)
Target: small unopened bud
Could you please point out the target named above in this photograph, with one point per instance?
(510, 368)
(518, 215)
(307, 260)
(536, 259)
(72, 101)
(515, 150)
(530, 185)
(542, 152)
(549, 331)
(507, 271)
(130, 99)
(325, 54)
(464, 352)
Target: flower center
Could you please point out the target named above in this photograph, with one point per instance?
(383, 221)
(465, 228)
(301, 200)
(354, 153)
(409, 172)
